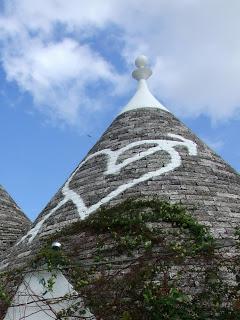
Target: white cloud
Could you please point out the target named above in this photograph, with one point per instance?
(56, 74)
(194, 47)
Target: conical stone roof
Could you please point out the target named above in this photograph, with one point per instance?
(13, 222)
(145, 152)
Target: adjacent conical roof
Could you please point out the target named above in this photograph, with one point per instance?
(13, 222)
(145, 152)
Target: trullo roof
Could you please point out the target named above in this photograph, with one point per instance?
(146, 151)
(13, 222)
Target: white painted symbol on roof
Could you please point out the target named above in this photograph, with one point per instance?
(114, 168)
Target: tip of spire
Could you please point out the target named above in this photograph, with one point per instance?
(141, 61)
(143, 97)
(142, 71)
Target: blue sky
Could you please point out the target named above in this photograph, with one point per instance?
(65, 74)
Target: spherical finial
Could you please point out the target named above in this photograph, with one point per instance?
(141, 61)
(142, 71)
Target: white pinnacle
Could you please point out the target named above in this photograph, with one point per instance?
(143, 97)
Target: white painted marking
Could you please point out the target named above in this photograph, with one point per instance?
(3, 265)
(114, 168)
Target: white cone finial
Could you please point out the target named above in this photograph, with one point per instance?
(143, 97)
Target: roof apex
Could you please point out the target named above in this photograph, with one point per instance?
(143, 98)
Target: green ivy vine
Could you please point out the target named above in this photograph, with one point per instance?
(157, 246)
